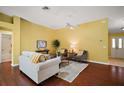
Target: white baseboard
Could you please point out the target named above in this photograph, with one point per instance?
(98, 62)
(14, 65)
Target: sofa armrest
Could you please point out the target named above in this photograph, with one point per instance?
(49, 63)
(25, 62)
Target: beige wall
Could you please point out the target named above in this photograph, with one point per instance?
(87, 36)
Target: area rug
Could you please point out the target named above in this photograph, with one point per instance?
(71, 71)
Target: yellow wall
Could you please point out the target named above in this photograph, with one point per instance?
(117, 34)
(6, 18)
(109, 45)
(87, 36)
(110, 38)
(31, 32)
(16, 39)
(25, 35)
(15, 29)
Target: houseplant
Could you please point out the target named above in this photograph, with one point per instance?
(56, 45)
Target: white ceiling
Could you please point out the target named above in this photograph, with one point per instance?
(58, 16)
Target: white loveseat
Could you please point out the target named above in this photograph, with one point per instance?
(40, 71)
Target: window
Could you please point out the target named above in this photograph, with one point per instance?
(113, 43)
(120, 43)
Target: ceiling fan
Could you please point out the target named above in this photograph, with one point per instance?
(68, 25)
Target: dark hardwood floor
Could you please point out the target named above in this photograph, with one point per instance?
(93, 75)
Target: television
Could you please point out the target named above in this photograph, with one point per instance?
(41, 44)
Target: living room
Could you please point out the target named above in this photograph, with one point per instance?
(75, 32)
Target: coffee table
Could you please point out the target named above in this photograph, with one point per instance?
(64, 62)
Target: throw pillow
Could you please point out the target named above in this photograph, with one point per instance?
(42, 58)
(47, 57)
(80, 52)
(35, 58)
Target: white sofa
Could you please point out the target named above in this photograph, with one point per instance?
(40, 71)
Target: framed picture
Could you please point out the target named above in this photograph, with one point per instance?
(41, 44)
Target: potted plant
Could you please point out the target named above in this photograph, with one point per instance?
(56, 45)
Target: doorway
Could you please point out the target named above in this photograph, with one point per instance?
(5, 47)
(117, 51)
